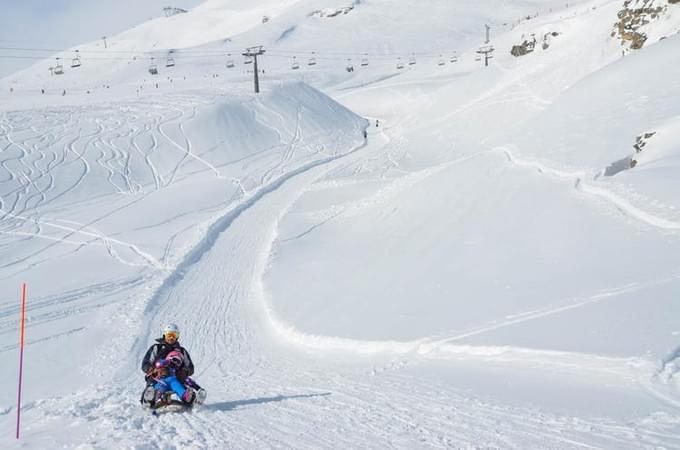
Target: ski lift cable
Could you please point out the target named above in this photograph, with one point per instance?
(215, 52)
(127, 55)
(221, 51)
(215, 57)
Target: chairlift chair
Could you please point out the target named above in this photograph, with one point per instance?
(230, 61)
(412, 60)
(350, 67)
(478, 58)
(248, 60)
(58, 69)
(295, 65)
(76, 61)
(441, 61)
(400, 64)
(170, 62)
(312, 60)
(153, 70)
(454, 59)
(364, 61)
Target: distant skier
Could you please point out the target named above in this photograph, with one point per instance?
(376, 123)
(167, 366)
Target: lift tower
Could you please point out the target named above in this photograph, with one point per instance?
(253, 52)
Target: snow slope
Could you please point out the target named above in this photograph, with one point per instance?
(470, 275)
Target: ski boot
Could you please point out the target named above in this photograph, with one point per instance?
(189, 397)
(201, 394)
(148, 396)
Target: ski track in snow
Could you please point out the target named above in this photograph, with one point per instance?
(28, 177)
(260, 396)
(580, 184)
(443, 346)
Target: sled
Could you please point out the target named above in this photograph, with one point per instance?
(169, 402)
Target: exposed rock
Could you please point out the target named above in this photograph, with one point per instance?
(641, 141)
(528, 46)
(634, 16)
(546, 39)
(331, 12)
(523, 48)
(629, 162)
(170, 11)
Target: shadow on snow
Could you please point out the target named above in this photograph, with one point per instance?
(229, 406)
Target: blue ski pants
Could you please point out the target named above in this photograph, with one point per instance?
(165, 384)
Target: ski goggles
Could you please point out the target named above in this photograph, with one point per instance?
(171, 335)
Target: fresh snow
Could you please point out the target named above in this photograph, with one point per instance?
(485, 270)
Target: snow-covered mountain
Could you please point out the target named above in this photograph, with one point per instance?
(391, 245)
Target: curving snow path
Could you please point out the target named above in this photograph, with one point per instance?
(266, 392)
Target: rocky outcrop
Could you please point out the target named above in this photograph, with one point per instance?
(640, 142)
(631, 161)
(331, 12)
(523, 48)
(634, 16)
(170, 11)
(529, 45)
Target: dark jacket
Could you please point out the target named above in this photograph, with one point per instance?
(160, 350)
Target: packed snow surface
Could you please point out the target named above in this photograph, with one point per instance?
(390, 246)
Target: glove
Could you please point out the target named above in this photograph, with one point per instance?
(162, 363)
(157, 371)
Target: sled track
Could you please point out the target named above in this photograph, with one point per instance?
(262, 392)
(307, 401)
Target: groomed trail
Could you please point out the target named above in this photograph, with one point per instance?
(269, 384)
(265, 392)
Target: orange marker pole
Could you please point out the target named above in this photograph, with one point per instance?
(21, 352)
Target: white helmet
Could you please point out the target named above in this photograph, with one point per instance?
(171, 328)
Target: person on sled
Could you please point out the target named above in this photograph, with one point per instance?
(168, 366)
